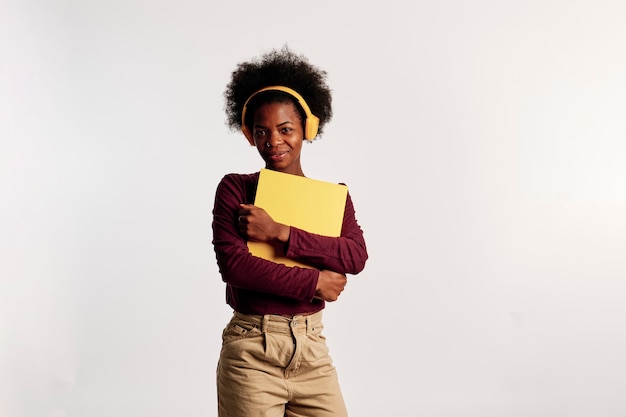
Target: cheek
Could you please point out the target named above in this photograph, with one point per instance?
(295, 144)
(298, 148)
(259, 142)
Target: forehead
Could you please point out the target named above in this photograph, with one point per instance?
(284, 111)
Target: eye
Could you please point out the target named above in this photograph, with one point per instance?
(260, 132)
(286, 130)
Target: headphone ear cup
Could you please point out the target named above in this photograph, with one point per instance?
(311, 127)
(246, 132)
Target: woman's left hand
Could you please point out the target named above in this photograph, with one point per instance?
(255, 224)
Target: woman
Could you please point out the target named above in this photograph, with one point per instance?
(274, 360)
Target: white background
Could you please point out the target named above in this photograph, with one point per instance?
(483, 143)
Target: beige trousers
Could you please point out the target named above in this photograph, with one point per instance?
(276, 366)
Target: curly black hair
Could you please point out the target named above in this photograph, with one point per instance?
(277, 67)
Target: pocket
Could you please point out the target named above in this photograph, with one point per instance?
(317, 332)
(239, 330)
(316, 349)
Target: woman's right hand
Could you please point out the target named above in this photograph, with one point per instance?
(329, 285)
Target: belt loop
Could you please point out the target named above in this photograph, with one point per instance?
(265, 323)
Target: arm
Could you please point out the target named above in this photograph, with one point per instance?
(241, 269)
(345, 254)
(257, 225)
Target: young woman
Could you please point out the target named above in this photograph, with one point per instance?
(274, 360)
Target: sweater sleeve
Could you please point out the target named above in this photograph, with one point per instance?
(345, 254)
(241, 269)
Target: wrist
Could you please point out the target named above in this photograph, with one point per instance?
(284, 232)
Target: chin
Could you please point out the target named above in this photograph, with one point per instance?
(275, 166)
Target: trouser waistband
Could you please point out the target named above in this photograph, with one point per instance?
(275, 322)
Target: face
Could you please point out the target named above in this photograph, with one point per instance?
(278, 136)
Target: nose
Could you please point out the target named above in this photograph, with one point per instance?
(274, 140)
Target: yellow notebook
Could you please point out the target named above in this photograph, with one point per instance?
(308, 204)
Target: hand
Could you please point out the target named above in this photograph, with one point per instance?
(255, 224)
(329, 285)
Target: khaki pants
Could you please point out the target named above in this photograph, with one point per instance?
(275, 366)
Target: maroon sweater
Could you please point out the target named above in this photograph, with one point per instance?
(258, 286)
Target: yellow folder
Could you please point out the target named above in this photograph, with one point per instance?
(308, 204)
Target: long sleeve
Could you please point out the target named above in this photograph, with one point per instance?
(258, 286)
(346, 254)
(238, 267)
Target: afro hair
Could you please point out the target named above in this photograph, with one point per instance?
(277, 67)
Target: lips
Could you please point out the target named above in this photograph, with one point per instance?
(276, 156)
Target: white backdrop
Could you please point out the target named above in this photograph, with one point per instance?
(483, 143)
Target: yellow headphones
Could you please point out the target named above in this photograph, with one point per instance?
(311, 123)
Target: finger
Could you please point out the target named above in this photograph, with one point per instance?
(244, 209)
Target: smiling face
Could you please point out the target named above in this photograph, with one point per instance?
(278, 136)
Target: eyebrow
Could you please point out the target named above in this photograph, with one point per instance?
(278, 125)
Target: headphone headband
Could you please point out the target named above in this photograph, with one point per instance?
(311, 123)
